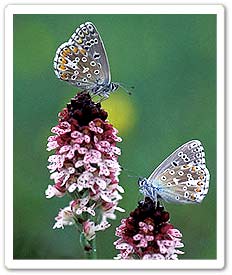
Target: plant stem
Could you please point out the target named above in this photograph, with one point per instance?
(89, 247)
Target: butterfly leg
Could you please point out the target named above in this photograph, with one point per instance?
(102, 99)
(151, 192)
(154, 196)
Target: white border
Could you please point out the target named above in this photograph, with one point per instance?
(111, 9)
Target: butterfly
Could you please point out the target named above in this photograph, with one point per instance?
(82, 62)
(180, 178)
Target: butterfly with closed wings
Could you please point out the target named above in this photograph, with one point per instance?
(82, 62)
(181, 178)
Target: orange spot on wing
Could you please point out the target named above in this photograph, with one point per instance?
(75, 49)
(192, 197)
(63, 54)
(63, 60)
(79, 41)
(67, 50)
(62, 67)
(82, 51)
(64, 76)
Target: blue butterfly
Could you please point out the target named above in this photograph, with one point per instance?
(82, 62)
(180, 178)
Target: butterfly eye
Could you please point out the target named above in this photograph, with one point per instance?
(142, 182)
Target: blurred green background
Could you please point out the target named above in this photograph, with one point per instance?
(171, 60)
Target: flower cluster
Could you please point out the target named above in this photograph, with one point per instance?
(85, 166)
(147, 234)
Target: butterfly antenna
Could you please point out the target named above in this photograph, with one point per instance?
(127, 90)
(129, 175)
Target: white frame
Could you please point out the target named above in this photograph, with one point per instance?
(10, 10)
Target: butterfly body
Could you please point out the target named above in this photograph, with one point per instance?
(181, 178)
(104, 89)
(82, 62)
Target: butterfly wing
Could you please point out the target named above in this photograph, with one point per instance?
(183, 176)
(191, 152)
(183, 184)
(73, 64)
(82, 61)
(87, 37)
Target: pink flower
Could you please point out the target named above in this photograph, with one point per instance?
(65, 217)
(147, 234)
(90, 228)
(84, 163)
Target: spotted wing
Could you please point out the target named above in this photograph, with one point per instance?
(87, 37)
(74, 65)
(187, 183)
(82, 60)
(191, 152)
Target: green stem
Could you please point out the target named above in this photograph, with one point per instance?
(89, 247)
